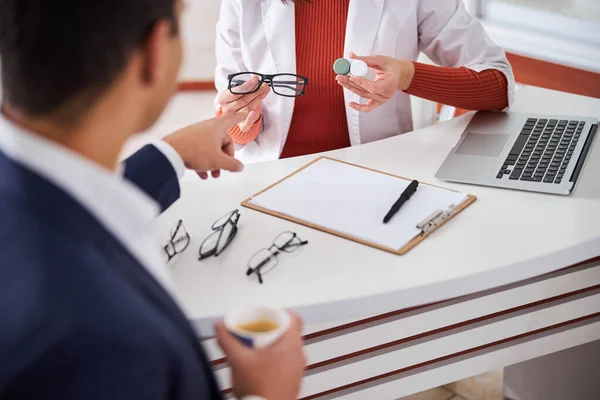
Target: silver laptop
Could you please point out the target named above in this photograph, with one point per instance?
(540, 153)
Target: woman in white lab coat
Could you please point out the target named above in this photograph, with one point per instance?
(305, 37)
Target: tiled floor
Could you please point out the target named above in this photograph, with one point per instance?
(432, 394)
(486, 386)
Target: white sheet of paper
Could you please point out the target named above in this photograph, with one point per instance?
(353, 201)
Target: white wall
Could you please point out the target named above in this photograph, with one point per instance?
(199, 22)
(198, 27)
(201, 17)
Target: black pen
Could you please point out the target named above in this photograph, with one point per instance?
(408, 192)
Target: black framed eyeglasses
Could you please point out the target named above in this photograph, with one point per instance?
(224, 230)
(287, 85)
(178, 242)
(266, 260)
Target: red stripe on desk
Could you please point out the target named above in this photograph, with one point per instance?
(451, 327)
(453, 356)
(220, 363)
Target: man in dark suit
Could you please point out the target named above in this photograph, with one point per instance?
(86, 310)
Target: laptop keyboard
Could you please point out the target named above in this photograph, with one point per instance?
(542, 151)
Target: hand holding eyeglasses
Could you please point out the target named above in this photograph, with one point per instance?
(250, 103)
(247, 90)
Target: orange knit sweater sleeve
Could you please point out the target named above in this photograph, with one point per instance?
(460, 87)
(240, 137)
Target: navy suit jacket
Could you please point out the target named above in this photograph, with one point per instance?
(80, 317)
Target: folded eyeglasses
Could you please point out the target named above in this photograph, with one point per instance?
(224, 231)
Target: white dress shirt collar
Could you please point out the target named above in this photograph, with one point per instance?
(127, 212)
(120, 206)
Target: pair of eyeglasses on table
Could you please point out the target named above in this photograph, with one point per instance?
(224, 231)
(287, 85)
(178, 242)
(265, 260)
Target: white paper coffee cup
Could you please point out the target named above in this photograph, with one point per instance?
(238, 318)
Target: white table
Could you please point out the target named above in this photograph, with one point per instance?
(499, 261)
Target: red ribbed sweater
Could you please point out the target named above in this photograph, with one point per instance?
(319, 118)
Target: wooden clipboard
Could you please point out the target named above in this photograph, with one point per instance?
(414, 242)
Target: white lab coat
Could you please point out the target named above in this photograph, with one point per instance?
(259, 36)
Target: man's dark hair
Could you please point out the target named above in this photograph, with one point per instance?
(59, 56)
